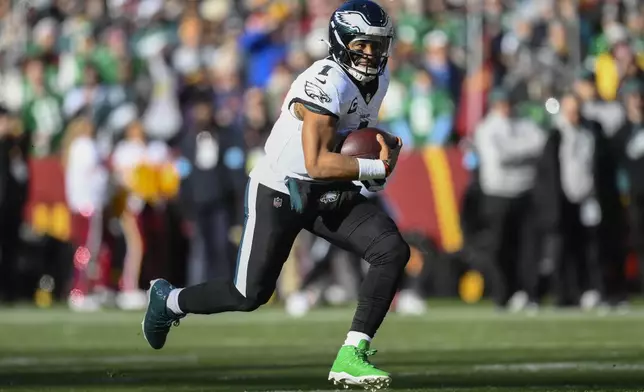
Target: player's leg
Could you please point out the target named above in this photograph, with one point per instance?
(365, 229)
(269, 232)
(213, 224)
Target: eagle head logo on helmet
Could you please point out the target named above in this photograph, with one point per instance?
(361, 20)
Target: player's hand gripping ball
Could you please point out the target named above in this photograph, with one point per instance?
(363, 143)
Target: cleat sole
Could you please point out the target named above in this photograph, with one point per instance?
(368, 383)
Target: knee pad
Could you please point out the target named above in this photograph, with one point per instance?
(391, 249)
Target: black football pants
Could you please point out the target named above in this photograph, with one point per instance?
(270, 229)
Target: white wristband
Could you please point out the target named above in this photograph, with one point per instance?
(371, 169)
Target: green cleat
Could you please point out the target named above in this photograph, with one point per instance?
(352, 367)
(158, 319)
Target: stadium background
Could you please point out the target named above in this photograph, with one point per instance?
(218, 49)
(153, 56)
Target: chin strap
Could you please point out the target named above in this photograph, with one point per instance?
(354, 73)
(360, 77)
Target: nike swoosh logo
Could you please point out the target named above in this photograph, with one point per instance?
(321, 81)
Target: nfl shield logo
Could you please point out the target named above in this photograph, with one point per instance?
(277, 202)
(329, 197)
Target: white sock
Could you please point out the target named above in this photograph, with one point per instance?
(354, 338)
(173, 302)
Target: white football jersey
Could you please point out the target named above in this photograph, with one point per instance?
(327, 88)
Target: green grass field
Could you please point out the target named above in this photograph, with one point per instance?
(452, 348)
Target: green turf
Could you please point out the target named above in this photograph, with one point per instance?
(453, 348)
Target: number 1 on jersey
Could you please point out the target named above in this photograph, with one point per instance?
(325, 70)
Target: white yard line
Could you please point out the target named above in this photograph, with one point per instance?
(529, 367)
(559, 366)
(108, 360)
(495, 345)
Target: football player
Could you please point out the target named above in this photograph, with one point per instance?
(303, 183)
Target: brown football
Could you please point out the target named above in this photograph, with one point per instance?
(362, 143)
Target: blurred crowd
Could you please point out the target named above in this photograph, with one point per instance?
(157, 110)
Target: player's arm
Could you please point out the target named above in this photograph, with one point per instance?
(318, 131)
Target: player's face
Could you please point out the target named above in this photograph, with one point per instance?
(372, 51)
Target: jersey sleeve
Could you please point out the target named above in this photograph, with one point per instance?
(319, 91)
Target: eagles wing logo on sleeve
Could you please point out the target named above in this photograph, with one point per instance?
(314, 91)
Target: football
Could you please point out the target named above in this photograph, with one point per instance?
(362, 143)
